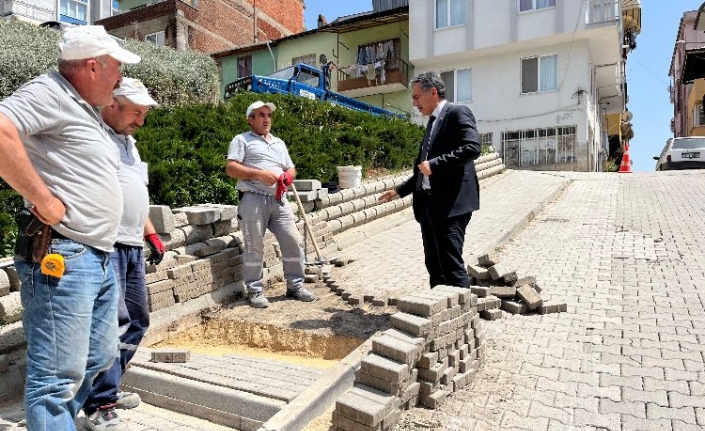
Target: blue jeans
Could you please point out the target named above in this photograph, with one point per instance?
(133, 321)
(257, 213)
(71, 329)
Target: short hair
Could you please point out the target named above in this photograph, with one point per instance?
(428, 80)
(68, 67)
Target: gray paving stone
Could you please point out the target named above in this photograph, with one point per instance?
(685, 414)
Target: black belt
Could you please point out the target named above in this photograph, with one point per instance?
(57, 235)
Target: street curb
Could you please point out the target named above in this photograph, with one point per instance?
(536, 210)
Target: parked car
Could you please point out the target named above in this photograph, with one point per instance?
(682, 153)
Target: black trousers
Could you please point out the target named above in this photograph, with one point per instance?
(443, 239)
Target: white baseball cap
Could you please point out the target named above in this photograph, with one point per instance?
(258, 104)
(135, 92)
(90, 41)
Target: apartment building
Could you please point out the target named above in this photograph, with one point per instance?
(79, 12)
(206, 25)
(546, 79)
(687, 72)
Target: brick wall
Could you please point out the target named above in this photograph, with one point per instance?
(289, 13)
(215, 25)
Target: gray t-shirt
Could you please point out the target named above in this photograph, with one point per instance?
(135, 196)
(253, 151)
(65, 141)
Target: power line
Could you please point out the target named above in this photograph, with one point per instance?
(649, 70)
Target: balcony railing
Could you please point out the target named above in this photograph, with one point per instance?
(602, 11)
(28, 10)
(385, 76)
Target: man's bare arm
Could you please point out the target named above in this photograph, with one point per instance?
(243, 172)
(21, 175)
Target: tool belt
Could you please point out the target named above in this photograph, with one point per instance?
(33, 237)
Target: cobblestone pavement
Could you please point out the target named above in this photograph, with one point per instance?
(626, 252)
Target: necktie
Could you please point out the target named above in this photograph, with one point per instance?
(425, 145)
(427, 138)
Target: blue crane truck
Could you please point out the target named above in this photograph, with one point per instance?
(305, 81)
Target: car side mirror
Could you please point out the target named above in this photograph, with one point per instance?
(656, 158)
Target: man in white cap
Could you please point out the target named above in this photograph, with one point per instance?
(131, 102)
(65, 166)
(261, 163)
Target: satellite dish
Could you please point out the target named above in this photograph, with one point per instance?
(627, 116)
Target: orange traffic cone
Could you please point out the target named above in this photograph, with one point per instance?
(626, 166)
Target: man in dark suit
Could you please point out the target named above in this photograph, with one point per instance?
(444, 184)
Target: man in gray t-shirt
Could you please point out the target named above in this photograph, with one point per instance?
(127, 112)
(65, 166)
(261, 163)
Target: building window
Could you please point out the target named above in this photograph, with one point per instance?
(450, 13)
(698, 116)
(115, 8)
(244, 66)
(157, 38)
(486, 142)
(75, 10)
(539, 146)
(538, 74)
(525, 5)
(458, 85)
(309, 59)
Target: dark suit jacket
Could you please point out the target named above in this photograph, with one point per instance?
(455, 144)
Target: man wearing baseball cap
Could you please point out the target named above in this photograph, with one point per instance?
(131, 102)
(65, 166)
(262, 165)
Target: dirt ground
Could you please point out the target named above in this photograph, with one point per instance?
(315, 334)
(326, 329)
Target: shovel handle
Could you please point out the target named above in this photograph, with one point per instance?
(308, 226)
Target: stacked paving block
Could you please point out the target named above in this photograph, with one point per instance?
(10, 302)
(204, 253)
(205, 250)
(435, 347)
(501, 286)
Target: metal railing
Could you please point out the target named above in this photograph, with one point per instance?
(375, 71)
(603, 11)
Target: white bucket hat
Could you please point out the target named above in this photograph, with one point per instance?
(135, 92)
(258, 104)
(90, 41)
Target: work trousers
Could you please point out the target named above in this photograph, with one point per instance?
(133, 321)
(257, 213)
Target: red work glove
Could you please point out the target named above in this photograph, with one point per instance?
(282, 183)
(287, 178)
(156, 247)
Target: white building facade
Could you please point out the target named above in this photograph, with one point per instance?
(541, 76)
(76, 12)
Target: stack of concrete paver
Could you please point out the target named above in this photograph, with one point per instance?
(507, 290)
(203, 254)
(10, 302)
(435, 346)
